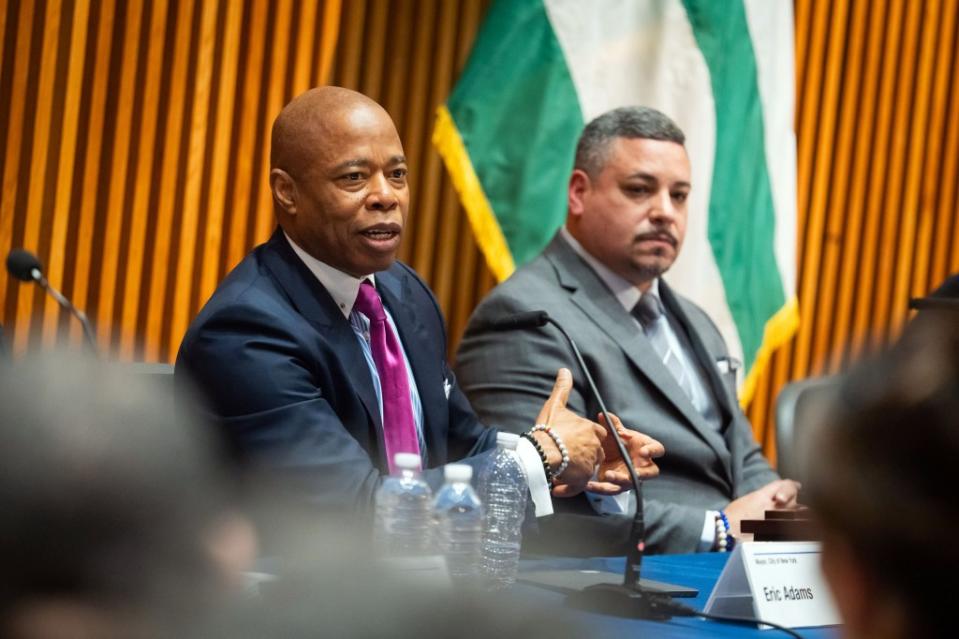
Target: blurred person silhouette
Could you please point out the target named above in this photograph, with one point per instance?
(880, 471)
(333, 587)
(119, 517)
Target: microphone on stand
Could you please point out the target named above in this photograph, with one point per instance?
(635, 597)
(25, 266)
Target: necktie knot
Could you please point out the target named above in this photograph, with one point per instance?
(648, 309)
(369, 303)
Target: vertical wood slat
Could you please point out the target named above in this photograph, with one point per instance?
(918, 159)
(140, 238)
(894, 223)
(226, 103)
(249, 107)
(862, 112)
(142, 183)
(329, 30)
(14, 141)
(116, 205)
(39, 147)
(61, 212)
(840, 199)
(169, 169)
(864, 333)
(275, 98)
(947, 224)
(81, 280)
(930, 220)
(195, 159)
(821, 157)
(415, 131)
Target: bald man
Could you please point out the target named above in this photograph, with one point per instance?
(322, 356)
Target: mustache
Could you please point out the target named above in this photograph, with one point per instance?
(662, 236)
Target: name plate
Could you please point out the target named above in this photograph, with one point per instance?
(775, 581)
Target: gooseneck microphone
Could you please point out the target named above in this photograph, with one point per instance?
(25, 266)
(630, 598)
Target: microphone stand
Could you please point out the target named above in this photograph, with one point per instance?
(65, 303)
(631, 598)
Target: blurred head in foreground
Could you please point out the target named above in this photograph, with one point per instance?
(881, 470)
(118, 517)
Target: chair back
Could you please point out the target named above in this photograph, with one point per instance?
(795, 405)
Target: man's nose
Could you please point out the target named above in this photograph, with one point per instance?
(382, 196)
(663, 208)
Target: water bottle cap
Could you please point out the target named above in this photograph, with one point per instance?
(458, 472)
(407, 461)
(507, 440)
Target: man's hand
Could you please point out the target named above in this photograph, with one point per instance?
(583, 439)
(777, 495)
(613, 476)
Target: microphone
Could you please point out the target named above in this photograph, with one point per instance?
(635, 597)
(519, 321)
(25, 266)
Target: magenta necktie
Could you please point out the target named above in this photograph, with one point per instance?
(399, 429)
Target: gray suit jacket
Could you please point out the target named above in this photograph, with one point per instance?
(507, 376)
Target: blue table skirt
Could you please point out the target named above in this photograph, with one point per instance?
(698, 571)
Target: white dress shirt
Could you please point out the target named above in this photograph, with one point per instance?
(344, 288)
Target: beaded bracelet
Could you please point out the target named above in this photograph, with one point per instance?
(550, 477)
(724, 539)
(563, 452)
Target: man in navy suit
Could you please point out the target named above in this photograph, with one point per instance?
(287, 362)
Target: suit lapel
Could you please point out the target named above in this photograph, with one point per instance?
(590, 294)
(316, 305)
(419, 346)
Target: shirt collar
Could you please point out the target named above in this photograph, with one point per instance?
(623, 289)
(343, 287)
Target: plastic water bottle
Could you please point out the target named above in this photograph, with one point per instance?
(459, 524)
(404, 513)
(504, 490)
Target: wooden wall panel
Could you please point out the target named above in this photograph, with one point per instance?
(135, 137)
(134, 144)
(877, 124)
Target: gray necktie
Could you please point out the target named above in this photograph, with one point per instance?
(649, 312)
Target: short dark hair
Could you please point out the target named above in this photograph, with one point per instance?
(625, 122)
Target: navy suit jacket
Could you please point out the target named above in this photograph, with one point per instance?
(286, 378)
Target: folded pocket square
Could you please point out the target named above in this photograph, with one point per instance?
(728, 365)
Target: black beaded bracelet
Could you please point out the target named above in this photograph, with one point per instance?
(550, 479)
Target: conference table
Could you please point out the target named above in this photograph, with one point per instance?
(700, 571)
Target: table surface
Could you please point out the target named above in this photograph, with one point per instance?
(700, 571)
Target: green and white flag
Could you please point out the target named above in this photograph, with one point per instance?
(723, 70)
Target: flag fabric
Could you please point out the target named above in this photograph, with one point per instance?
(541, 69)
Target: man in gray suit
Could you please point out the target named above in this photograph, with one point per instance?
(655, 355)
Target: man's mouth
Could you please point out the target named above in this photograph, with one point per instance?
(381, 232)
(665, 238)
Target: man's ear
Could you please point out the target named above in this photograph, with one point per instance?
(579, 186)
(284, 190)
